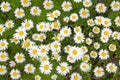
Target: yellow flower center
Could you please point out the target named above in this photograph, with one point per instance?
(63, 68)
(46, 67)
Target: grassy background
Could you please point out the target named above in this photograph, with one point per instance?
(13, 49)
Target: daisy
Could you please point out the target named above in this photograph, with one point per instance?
(117, 21)
(88, 41)
(87, 3)
(96, 45)
(37, 77)
(90, 22)
(85, 67)
(84, 13)
(99, 71)
(15, 74)
(63, 68)
(29, 68)
(35, 37)
(3, 70)
(9, 24)
(106, 22)
(75, 76)
(27, 24)
(25, 3)
(74, 17)
(26, 44)
(77, 1)
(48, 4)
(77, 29)
(50, 16)
(43, 50)
(116, 35)
(2, 29)
(56, 57)
(79, 38)
(66, 6)
(3, 44)
(20, 33)
(111, 68)
(33, 51)
(86, 58)
(3, 56)
(66, 32)
(84, 49)
(112, 47)
(93, 54)
(35, 11)
(98, 20)
(5, 6)
(71, 59)
(19, 57)
(54, 77)
(46, 67)
(115, 5)
(101, 8)
(66, 19)
(104, 39)
(96, 30)
(56, 25)
(19, 13)
(41, 27)
(44, 58)
(41, 37)
(15, 40)
(106, 32)
(56, 13)
(55, 46)
(103, 54)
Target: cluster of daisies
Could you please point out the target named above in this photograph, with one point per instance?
(85, 49)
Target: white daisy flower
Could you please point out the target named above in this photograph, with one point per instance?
(3, 70)
(35, 37)
(104, 39)
(66, 19)
(56, 57)
(103, 54)
(99, 71)
(93, 54)
(84, 49)
(54, 77)
(29, 68)
(71, 59)
(15, 74)
(65, 31)
(44, 58)
(87, 3)
(3, 44)
(63, 68)
(79, 38)
(48, 4)
(50, 16)
(115, 5)
(117, 21)
(106, 22)
(56, 13)
(15, 40)
(77, 1)
(37, 77)
(27, 24)
(43, 50)
(46, 67)
(77, 29)
(9, 24)
(3, 56)
(25, 3)
(66, 6)
(20, 33)
(100, 8)
(84, 13)
(88, 41)
(86, 58)
(5, 6)
(75, 76)
(106, 32)
(19, 57)
(2, 29)
(56, 25)
(19, 13)
(55, 46)
(41, 27)
(26, 44)
(98, 20)
(111, 68)
(116, 35)
(85, 67)
(34, 51)
(90, 22)
(74, 17)
(41, 37)
(112, 47)
(96, 45)
(35, 11)
(96, 30)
